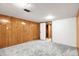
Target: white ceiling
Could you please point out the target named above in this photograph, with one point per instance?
(41, 10)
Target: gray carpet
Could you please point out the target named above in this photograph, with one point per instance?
(39, 48)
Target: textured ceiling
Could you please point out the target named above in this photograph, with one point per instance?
(40, 10)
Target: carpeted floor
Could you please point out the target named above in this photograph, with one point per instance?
(39, 48)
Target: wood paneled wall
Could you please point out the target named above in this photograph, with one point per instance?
(78, 32)
(15, 31)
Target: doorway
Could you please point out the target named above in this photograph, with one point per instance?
(49, 31)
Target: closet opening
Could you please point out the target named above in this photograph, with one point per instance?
(49, 31)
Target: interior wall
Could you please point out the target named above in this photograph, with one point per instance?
(49, 30)
(78, 31)
(64, 31)
(17, 31)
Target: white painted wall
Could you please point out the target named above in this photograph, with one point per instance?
(64, 31)
(42, 31)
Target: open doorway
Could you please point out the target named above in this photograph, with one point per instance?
(49, 31)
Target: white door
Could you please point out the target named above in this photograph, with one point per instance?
(42, 31)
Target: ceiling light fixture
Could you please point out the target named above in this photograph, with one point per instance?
(49, 17)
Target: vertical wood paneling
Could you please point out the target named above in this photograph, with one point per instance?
(78, 32)
(4, 32)
(14, 32)
(0, 36)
